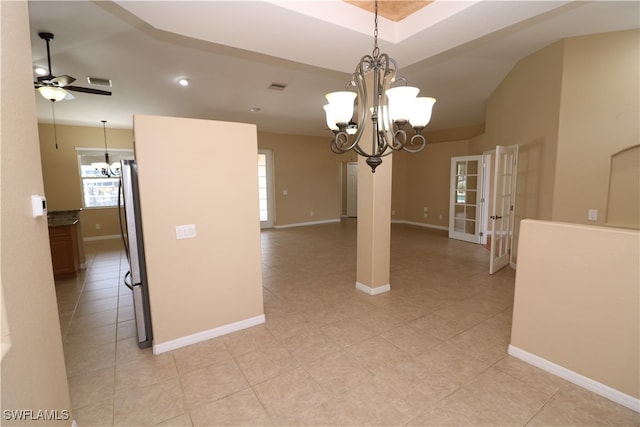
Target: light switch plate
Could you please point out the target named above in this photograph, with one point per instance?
(185, 231)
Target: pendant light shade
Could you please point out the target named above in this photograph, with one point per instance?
(420, 114)
(401, 102)
(331, 121)
(341, 105)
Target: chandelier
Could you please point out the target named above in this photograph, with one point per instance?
(393, 109)
(106, 168)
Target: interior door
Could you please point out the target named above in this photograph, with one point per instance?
(352, 189)
(465, 198)
(503, 206)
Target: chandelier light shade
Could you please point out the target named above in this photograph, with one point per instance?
(389, 110)
(52, 93)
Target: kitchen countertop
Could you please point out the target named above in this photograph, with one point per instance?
(63, 218)
(62, 222)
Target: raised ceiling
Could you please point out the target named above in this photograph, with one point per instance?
(231, 52)
(394, 10)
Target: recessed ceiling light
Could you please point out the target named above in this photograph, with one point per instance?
(40, 71)
(183, 82)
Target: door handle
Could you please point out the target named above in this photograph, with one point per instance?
(495, 217)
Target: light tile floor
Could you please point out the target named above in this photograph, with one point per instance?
(432, 352)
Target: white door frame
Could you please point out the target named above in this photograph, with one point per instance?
(503, 206)
(485, 232)
(352, 189)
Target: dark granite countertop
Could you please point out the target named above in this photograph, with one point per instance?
(63, 218)
(62, 222)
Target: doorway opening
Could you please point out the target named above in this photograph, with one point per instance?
(352, 190)
(482, 202)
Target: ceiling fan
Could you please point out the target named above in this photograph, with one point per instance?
(55, 88)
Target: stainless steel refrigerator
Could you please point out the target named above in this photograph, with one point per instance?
(131, 229)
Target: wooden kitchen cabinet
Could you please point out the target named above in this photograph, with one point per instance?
(65, 258)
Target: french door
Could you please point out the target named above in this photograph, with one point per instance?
(465, 199)
(502, 206)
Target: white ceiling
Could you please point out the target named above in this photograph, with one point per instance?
(231, 51)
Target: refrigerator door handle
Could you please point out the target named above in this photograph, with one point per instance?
(128, 284)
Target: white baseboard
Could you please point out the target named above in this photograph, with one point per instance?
(373, 291)
(421, 224)
(105, 237)
(303, 224)
(576, 378)
(207, 335)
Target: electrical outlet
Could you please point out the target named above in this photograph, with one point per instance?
(311, 213)
(98, 226)
(592, 215)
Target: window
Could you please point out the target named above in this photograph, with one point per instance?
(265, 188)
(262, 187)
(99, 191)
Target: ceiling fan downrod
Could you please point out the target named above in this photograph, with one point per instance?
(47, 37)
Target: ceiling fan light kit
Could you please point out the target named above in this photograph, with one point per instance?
(393, 108)
(55, 88)
(52, 93)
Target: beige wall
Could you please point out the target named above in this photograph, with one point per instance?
(524, 110)
(599, 112)
(623, 204)
(569, 107)
(214, 279)
(303, 165)
(426, 182)
(422, 179)
(33, 370)
(539, 100)
(577, 300)
(60, 170)
(310, 172)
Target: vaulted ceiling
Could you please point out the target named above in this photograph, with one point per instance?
(232, 51)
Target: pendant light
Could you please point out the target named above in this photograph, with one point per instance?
(393, 110)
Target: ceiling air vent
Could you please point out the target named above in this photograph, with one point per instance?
(277, 86)
(99, 82)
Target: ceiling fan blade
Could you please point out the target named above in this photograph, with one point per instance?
(63, 80)
(88, 90)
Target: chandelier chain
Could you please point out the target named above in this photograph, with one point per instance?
(376, 50)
